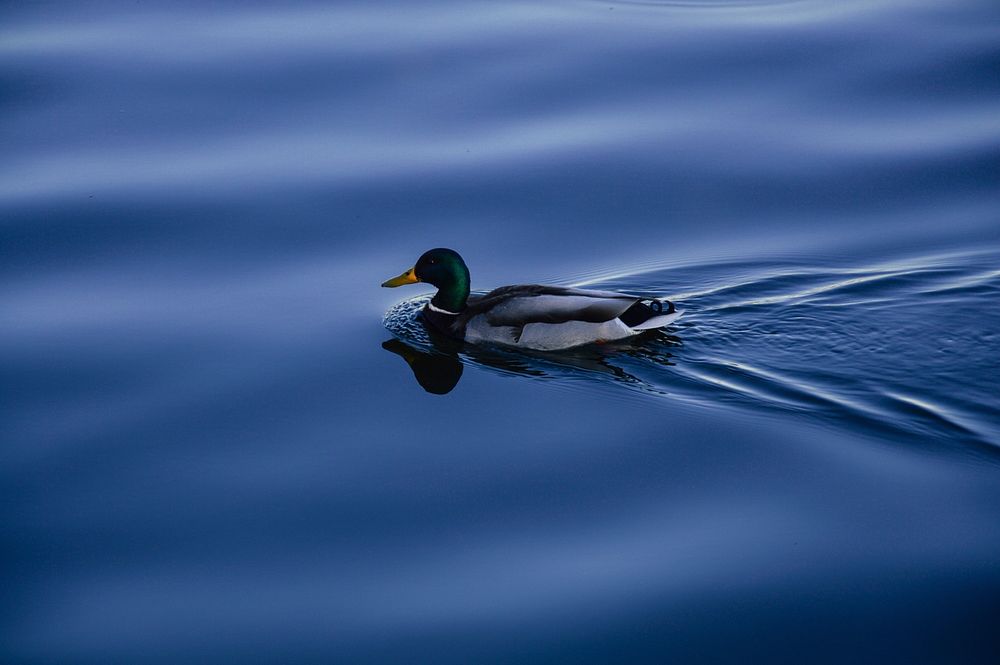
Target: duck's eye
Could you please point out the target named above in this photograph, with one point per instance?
(432, 260)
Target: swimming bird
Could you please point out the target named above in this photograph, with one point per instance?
(531, 316)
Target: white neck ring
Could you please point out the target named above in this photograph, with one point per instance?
(430, 306)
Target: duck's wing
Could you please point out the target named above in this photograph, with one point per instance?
(533, 303)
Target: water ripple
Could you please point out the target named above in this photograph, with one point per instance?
(848, 345)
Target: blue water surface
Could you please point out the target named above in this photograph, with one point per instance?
(223, 442)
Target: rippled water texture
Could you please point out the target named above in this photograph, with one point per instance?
(911, 345)
(214, 450)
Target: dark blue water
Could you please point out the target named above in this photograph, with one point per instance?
(215, 450)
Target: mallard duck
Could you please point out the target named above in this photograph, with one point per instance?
(531, 316)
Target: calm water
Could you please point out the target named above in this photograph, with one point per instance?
(224, 442)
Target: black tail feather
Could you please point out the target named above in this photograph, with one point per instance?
(641, 311)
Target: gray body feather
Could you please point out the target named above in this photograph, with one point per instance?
(545, 317)
(520, 305)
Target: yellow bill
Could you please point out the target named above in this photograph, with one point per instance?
(408, 277)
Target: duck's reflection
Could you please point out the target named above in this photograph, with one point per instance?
(438, 366)
(437, 373)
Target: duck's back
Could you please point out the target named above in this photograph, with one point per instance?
(546, 317)
(536, 303)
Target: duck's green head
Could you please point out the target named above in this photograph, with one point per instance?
(442, 268)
